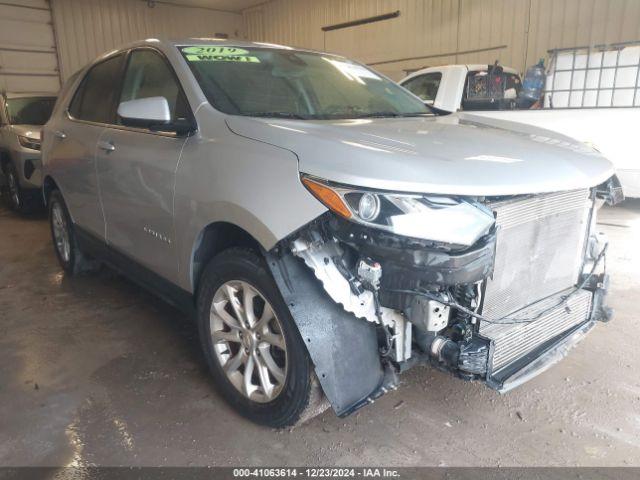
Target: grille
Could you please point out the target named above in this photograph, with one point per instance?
(539, 249)
(511, 342)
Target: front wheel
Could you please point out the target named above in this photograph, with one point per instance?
(251, 343)
(16, 195)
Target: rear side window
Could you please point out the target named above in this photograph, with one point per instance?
(94, 99)
(148, 75)
(425, 86)
(494, 89)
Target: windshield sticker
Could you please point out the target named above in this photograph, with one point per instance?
(213, 50)
(207, 53)
(223, 58)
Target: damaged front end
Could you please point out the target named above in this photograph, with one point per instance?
(491, 289)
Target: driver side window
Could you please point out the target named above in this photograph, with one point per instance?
(149, 75)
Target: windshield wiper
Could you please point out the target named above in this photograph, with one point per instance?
(275, 115)
(390, 114)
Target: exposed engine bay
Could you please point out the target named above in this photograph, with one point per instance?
(499, 309)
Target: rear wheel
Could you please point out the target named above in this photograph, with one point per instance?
(65, 244)
(252, 344)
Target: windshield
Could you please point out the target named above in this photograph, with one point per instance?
(291, 84)
(30, 110)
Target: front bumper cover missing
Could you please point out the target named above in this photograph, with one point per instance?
(546, 356)
(554, 350)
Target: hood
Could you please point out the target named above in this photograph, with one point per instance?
(458, 154)
(31, 131)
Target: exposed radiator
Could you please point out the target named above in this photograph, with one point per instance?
(510, 342)
(539, 249)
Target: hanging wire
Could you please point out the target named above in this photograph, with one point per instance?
(510, 320)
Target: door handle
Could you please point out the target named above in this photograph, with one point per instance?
(106, 146)
(60, 134)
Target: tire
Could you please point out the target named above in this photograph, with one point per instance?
(281, 389)
(71, 258)
(21, 200)
(15, 194)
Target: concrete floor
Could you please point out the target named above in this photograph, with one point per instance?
(94, 371)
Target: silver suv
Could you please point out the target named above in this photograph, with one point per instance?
(21, 118)
(325, 228)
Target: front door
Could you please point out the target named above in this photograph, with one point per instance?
(136, 170)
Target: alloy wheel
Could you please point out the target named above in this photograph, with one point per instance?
(60, 232)
(248, 341)
(14, 191)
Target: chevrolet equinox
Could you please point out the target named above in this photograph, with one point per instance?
(324, 227)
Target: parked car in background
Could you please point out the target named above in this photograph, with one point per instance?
(22, 116)
(592, 96)
(327, 231)
(451, 88)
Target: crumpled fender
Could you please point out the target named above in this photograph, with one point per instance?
(344, 349)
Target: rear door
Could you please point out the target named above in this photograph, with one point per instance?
(72, 138)
(136, 169)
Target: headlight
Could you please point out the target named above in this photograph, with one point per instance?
(428, 217)
(369, 207)
(28, 142)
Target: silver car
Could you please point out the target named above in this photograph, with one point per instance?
(21, 118)
(327, 231)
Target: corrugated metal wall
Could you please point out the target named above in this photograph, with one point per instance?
(517, 32)
(27, 47)
(87, 28)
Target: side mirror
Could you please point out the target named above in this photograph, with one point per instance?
(145, 112)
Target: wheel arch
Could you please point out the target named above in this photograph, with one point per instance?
(48, 186)
(213, 239)
(5, 158)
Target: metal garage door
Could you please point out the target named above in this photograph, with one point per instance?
(28, 60)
